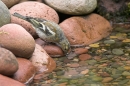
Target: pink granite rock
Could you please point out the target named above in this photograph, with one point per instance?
(8, 62)
(42, 61)
(51, 49)
(10, 3)
(86, 29)
(16, 39)
(25, 72)
(84, 57)
(6, 81)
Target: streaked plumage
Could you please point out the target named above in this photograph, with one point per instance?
(48, 31)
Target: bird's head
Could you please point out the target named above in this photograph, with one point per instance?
(65, 46)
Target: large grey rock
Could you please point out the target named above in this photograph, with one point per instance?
(73, 7)
(5, 17)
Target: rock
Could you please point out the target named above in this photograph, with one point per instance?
(80, 50)
(5, 17)
(6, 81)
(33, 9)
(107, 79)
(23, 0)
(84, 57)
(16, 39)
(10, 3)
(70, 73)
(51, 49)
(84, 72)
(73, 7)
(42, 61)
(40, 42)
(85, 30)
(104, 74)
(38, 77)
(8, 62)
(25, 72)
(73, 65)
(117, 51)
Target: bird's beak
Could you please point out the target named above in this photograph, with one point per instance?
(65, 46)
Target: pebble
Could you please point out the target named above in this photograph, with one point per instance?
(105, 74)
(84, 57)
(79, 51)
(117, 51)
(109, 41)
(107, 79)
(83, 63)
(126, 73)
(127, 67)
(85, 71)
(73, 7)
(70, 73)
(75, 60)
(128, 62)
(128, 77)
(73, 65)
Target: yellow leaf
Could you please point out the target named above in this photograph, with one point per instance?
(126, 40)
(94, 45)
(113, 36)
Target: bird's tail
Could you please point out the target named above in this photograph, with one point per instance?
(32, 20)
(19, 16)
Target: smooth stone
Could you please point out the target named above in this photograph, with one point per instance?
(109, 41)
(10, 3)
(73, 7)
(117, 51)
(16, 39)
(104, 74)
(80, 50)
(84, 72)
(126, 73)
(33, 9)
(42, 61)
(38, 77)
(84, 57)
(6, 81)
(8, 62)
(5, 16)
(25, 72)
(85, 30)
(73, 65)
(107, 79)
(70, 73)
(51, 49)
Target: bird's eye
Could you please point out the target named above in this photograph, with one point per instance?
(40, 25)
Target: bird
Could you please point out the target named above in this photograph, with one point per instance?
(48, 31)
